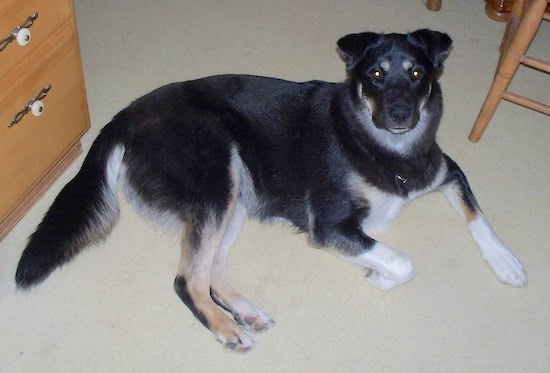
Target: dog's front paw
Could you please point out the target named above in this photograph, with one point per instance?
(398, 271)
(507, 267)
(381, 281)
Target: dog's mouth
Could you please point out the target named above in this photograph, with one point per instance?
(398, 130)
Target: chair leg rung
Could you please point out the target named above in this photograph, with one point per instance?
(535, 63)
(524, 101)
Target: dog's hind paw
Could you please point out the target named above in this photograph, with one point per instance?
(235, 339)
(255, 324)
(251, 317)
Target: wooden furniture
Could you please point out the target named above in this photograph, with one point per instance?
(43, 101)
(525, 19)
(498, 10)
(434, 5)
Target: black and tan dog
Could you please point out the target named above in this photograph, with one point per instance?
(334, 160)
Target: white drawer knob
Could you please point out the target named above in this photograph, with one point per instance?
(23, 37)
(37, 108)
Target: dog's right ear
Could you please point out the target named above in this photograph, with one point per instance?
(353, 47)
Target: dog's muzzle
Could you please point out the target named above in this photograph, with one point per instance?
(400, 117)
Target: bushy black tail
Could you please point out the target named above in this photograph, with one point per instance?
(83, 213)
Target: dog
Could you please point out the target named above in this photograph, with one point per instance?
(335, 160)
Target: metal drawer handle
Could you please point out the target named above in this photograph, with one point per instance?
(21, 33)
(35, 106)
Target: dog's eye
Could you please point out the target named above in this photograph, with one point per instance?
(376, 74)
(416, 73)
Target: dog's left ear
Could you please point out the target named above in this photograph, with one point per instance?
(353, 47)
(435, 44)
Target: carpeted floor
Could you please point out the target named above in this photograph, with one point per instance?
(114, 310)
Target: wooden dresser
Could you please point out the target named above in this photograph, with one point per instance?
(43, 108)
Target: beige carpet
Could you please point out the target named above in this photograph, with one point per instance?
(114, 310)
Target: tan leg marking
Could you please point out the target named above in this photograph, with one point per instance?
(195, 268)
(244, 311)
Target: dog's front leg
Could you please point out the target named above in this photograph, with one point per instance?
(505, 265)
(386, 268)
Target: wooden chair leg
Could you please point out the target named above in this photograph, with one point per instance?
(526, 32)
(511, 29)
(434, 5)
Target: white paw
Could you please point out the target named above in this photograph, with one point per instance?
(507, 267)
(380, 281)
(386, 268)
(399, 271)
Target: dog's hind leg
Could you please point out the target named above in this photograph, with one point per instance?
(200, 242)
(245, 312)
(505, 265)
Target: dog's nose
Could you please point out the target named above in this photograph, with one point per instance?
(400, 112)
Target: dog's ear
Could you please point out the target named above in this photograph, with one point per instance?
(353, 47)
(435, 44)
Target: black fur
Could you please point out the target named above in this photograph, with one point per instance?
(180, 287)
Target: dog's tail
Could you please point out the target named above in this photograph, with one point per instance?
(83, 213)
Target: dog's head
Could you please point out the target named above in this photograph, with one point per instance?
(395, 78)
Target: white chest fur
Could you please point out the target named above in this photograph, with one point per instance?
(384, 207)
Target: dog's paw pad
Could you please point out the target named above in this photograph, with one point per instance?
(251, 317)
(257, 323)
(237, 341)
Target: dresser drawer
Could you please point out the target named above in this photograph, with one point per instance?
(51, 14)
(31, 147)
